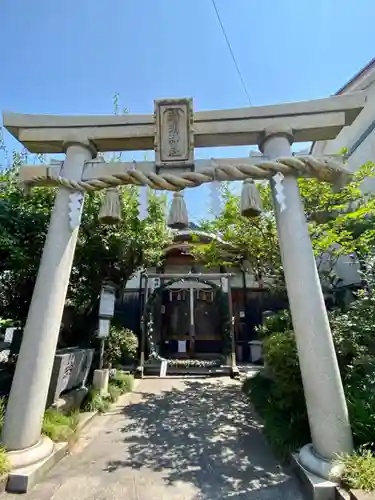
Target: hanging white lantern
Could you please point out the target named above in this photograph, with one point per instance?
(178, 216)
(110, 210)
(251, 205)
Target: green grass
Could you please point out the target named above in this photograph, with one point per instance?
(96, 402)
(123, 381)
(60, 427)
(114, 392)
(359, 469)
(4, 462)
(3, 406)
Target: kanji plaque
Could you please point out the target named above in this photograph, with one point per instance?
(174, 132)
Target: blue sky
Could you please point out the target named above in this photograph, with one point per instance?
(70, 57)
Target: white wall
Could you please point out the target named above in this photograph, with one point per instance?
(133, 282)
(350, 135)
(347, 268)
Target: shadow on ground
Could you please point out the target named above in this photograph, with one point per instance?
(205, 434)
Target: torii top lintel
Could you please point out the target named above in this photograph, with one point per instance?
(315, 120)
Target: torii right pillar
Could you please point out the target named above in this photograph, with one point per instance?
(325, 400)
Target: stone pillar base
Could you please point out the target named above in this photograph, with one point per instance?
(100, 381)
(139, 372)
(29, 456)
(327, 469)
(235, 372)
(256, 350)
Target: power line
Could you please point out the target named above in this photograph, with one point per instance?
(231, 52)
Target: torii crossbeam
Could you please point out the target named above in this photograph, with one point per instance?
(317, 120)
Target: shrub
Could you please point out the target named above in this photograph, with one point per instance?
(4, 324)
(280, 354)
(359, 470)
(96, 402)
(123, 381)
(280, 401)
(360, 394)
(352, 333)
(130, 346)
(279, 398)
(286, 428)
(122, 346)
(60, 427)
(277, 322)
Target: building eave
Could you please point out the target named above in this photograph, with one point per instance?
(356, 77)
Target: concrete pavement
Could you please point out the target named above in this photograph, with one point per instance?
(177, 439)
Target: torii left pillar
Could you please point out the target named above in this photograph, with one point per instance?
(24, 416)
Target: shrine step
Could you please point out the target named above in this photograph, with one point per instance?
(173, 371)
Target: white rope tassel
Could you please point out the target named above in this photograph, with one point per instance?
(251, 204)
(110, 210)
(280, 196)
(143, 203)
(178, 216)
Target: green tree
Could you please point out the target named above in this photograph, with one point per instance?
(343, 217)
(253, 240)
(114, 253)
(340, 223)
(103, 252)
(23, 228)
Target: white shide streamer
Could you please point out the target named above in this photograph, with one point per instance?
(280, 196)
(215, 198)
(75, 209)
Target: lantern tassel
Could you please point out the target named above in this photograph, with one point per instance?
(178, 216)
(110, 210)
(251, 205)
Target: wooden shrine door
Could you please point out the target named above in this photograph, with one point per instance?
(208, 338)
(176, 324)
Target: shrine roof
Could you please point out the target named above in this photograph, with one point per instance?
(194, 234)
(186, 238)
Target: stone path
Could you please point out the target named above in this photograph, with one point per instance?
(178, 439)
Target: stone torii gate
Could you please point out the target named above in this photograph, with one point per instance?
(173, 131)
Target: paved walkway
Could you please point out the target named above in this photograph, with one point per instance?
(178, 439)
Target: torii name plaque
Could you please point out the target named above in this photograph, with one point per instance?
(174, 135)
